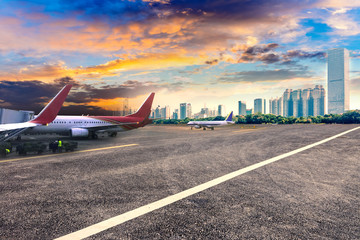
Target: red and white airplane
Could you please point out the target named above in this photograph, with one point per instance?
(46, 116)
(85, 126)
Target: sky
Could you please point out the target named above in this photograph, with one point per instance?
(205, 52)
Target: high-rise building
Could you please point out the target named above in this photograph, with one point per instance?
(303, 103)
(242, 108)
(259, 105)
(176, 114)
(315, 98)
(338, 80)
(322, 100)
(221, 110)
(165, 112)
(264, 106)
(182, 110)
(287, 103)
(152, 114)
(212, 113)
(317, 101)
(188, 110)
(273, 106)
(158, 112)
(305, 98)
(296, 103)
(249, 111)
(280, 106)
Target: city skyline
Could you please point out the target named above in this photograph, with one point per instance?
(186, 51)
(296, 103)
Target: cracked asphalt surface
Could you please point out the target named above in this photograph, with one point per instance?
(310, 195)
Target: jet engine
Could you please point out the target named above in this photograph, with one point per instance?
(79, 132)
(197, 127)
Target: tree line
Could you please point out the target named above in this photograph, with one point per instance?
(258, 118)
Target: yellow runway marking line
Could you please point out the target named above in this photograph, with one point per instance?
(88, 150)
(127, 216)
(248, 130)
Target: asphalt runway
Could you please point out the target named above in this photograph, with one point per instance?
(312, 194)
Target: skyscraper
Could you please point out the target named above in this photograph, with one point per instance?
(204, 113)
(316, 101)
(297, 103)
(157, 112)
(259, 105)
(188, 110)
(221, 110)
(165, 112)
(242, 108)
(322, 101)
(287, 103)
(280, 106)
(176, 114)
(338, 80)
(300, 103)
(273, 106)
(182, 110)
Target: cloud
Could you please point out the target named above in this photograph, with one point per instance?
(29, 95)
(133, 27)
(262, 76)
(83, 98)
(267, 54)
(33, 95)
(303, 55)
(212, 62)
(337, 4)
(343, 25)
(255, 50)
(144, 62)
(47, 72)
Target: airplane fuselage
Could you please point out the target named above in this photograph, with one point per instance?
(72, 125)
(208, 124)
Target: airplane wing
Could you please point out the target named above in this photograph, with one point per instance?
(14, 126)
(47, 115)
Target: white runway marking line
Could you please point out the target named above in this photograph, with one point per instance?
(112, 222)
(61, 154)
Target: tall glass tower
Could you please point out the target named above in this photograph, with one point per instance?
(182, 110)
(259, 106)
(242, 108)
(338, 80)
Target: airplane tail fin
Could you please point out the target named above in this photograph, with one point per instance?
(229, 117)
(50, 111)
(145, 109)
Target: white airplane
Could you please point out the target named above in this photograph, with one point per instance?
(211, 124)
(85, 126)
(46, 116)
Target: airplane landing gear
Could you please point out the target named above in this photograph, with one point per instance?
(113, 134)
(204, 128)
(94, 136)
(212, 128)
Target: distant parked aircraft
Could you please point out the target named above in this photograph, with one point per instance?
(85, 126)
(46, 116)
(211, 124)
